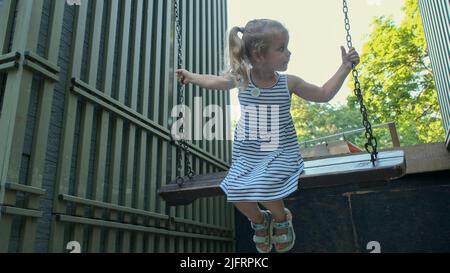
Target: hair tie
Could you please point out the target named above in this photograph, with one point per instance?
(241, 29)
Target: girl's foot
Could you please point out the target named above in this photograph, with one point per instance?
(284, 235)
(263, 233)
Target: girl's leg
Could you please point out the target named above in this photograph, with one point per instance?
(279, 215)
(277, 209)
(252, 211)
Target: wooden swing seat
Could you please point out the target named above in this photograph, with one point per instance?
(335, 171)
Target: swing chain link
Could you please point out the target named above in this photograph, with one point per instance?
(181, 143)
(371, 144)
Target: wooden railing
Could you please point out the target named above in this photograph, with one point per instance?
(392, 130)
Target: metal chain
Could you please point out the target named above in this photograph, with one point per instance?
(371, 144)
(181, 143)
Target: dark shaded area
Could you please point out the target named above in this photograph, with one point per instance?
(410, 214)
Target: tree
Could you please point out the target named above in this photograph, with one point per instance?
(397, 85)
(314, 120)
(397, 80)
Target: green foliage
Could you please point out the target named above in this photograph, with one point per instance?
(314, 120)
(397, 80)
(397, 85)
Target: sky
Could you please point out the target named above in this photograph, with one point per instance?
(316, 30)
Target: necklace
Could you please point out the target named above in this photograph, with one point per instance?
(256, 92)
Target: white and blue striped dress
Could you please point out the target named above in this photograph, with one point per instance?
(262, 168)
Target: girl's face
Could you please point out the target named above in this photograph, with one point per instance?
(278, 55)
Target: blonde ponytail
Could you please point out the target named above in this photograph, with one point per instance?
(256, 39)
(239, 66)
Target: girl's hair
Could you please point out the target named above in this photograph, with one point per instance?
(256, 39)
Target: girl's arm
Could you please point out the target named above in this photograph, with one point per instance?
(223, 82)
(325, 93)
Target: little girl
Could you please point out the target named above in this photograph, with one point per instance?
(258, 175)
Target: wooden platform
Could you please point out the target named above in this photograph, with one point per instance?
(327, 172)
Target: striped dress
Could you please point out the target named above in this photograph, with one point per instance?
(266, 162)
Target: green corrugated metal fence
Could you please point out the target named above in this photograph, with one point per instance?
(86, 94)
(436, 21)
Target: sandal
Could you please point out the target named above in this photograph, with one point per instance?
(289, 237)
(267, 225)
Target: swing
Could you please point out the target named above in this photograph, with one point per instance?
(350, 169)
